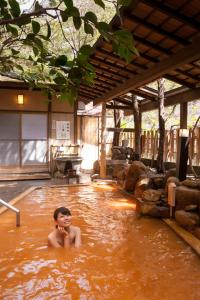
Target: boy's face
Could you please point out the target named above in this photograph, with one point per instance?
(63, 220)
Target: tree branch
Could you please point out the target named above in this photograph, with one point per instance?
(42, 11)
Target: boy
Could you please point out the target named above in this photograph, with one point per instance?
(65, 234)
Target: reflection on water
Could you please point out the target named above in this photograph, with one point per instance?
(122, 257)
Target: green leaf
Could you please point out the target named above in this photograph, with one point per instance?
(38, 42)
(15, 52)
(91, 17)
(30, 36)
(86, 49)
(100, 3)
(90, 67)
(82, 59)
(35, 26)
(77, 22)
(37, 6)
(74, 12)
(60, 79)
(68, 3)
(35, 51)
(15, 8)
(61, 61)
(88, 28)
(103, 26)
(48, 30)
(3, 3)
(75, 74)
(19, 67)
(69, 95)
(12, 29)
(64, 15)
(124, 2)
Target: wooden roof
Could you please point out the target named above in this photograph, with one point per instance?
(167, 36)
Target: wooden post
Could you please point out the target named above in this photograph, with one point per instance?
(49, 135)
(137, 125)
(75, 121)
(117, 123)
(183, 115)
(182, 151)
(161, 113)
(103, 142)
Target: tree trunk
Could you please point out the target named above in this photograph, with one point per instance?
(117, 123)
(161, 113)
(137, 125)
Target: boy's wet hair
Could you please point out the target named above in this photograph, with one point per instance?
(62, 210)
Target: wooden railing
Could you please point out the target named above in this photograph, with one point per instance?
(150, 141)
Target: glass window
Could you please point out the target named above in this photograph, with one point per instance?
(9, 126)
(34, 126)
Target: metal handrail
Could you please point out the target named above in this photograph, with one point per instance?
(16, 210)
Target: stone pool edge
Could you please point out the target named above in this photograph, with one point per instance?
(185, 235)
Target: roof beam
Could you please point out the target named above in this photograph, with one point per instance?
(186, 96)
(185, 55)
(109, 106)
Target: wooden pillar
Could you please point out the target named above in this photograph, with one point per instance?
(182, 151)
(117, 123)
(161, 114)
(137, 125)
(103, 142)
(183, 115)
(75, 121)
(49, 130)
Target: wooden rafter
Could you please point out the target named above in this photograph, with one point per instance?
(173, 13)
(184, 55)
(161, 31)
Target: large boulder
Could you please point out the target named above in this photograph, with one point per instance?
(196, 232)
(187, 219)
(151, 195)
(142, 185)
(195, 184)
(186, 196)
(152, 210)
(136, 169)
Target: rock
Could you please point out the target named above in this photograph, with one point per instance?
(158, 182)
(141, 185)
(118, 170)
(187, 219)
(191, 207)
(195, 184)
(186, 196)
(136, 169)
(196, 232)
(153, 210)
(151, 195)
